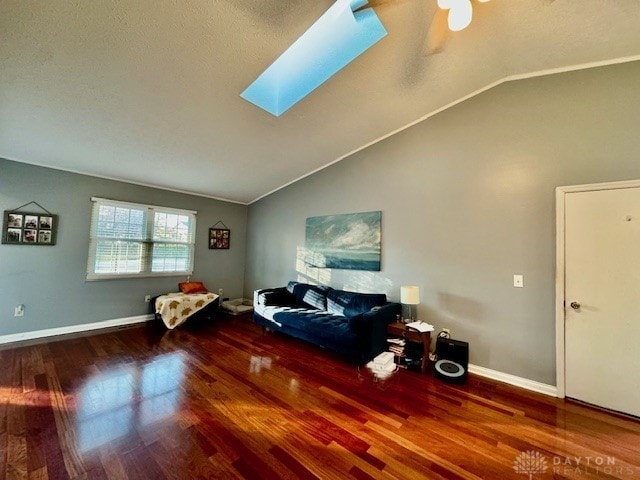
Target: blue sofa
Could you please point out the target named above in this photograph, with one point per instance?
(353, 324)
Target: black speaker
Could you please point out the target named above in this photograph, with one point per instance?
(452, 360)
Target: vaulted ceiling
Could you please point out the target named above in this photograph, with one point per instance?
(148, 91)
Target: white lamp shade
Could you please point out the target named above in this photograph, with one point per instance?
(410, 295)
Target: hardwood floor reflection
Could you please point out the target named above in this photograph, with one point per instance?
(222, 400)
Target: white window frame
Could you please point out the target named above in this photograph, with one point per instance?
(148, 242)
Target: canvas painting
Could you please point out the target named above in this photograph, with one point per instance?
(349, 241)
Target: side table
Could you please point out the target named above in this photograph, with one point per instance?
(397, 329)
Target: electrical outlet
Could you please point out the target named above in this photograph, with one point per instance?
(19, 311)
(220, 292)
(147, 298)
(518, 281)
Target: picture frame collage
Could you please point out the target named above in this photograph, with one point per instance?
(24, 228)
(219, 238)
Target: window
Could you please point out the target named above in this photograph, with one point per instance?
(134, 240)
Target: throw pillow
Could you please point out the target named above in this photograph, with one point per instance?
(349, 304)
(291, 285)
(314, 296)
(192, 287)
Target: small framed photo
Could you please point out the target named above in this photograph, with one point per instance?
(44, 236)
(219, 238)
(30, 221)
(14, 235)
(45, 223)
(14, 220)
(21, 228)
(30, 236)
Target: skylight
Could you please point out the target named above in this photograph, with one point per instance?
(332, 42)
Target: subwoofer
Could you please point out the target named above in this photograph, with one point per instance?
(452, 360)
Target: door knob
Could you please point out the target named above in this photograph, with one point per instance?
(575, 305)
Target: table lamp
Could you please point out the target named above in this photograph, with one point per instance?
(410, 295)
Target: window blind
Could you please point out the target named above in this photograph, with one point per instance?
(136, 240)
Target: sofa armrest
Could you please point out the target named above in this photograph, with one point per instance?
(371, 326)
(272, 296)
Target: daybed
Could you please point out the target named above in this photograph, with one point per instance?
(193, 300)
(354, 324)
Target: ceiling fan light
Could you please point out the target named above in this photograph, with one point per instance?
(460, 15)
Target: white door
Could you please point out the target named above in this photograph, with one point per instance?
(602, 298)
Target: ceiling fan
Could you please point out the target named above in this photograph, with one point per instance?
(450, 16)
(344, 32)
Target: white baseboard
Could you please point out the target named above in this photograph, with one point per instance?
(527, 384)
(85, 327)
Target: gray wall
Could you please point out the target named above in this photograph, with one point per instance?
(467, 200)
(50, 281)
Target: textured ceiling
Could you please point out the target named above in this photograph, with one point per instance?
(148, 91)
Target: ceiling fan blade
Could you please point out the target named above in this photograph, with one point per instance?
(438, 31)
(376, 3)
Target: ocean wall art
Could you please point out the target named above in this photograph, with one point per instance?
(350, 241)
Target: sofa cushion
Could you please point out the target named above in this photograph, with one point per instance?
(319, 323)
(314, 296)
(350, 304)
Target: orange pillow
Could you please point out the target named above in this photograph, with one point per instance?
(192, 287)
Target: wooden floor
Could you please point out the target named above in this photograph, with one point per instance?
(222, 400)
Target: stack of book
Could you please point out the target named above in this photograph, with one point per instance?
(396, 346)
(383, 365)
(406, 354)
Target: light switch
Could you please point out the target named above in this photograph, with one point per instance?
(518, 281)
